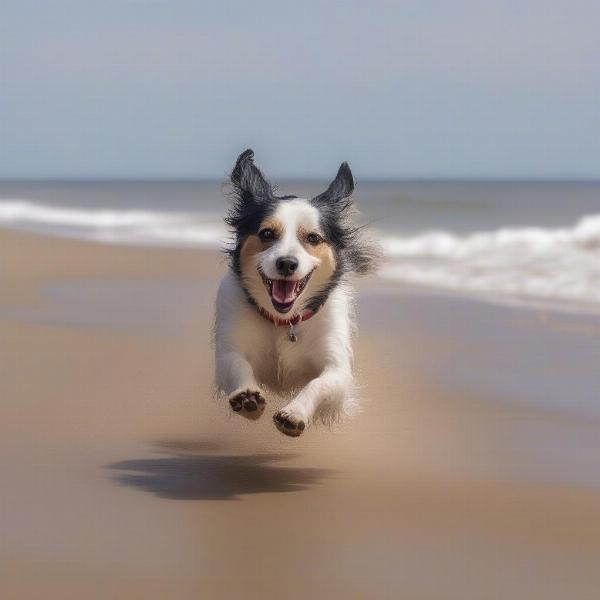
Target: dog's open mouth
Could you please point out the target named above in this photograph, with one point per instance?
(284, 292)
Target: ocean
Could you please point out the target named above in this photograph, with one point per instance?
(530, 243)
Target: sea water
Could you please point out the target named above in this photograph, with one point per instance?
(524, 242)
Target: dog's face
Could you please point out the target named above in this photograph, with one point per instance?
(291, 252)
(288, 258)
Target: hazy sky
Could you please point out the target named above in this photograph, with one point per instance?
(170, 88)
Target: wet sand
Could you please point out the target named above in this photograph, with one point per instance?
(473, 471)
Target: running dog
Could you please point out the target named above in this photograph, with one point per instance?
(284, 311)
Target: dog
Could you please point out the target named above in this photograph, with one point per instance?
(284, 311)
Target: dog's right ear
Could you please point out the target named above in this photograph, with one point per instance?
(248, 181)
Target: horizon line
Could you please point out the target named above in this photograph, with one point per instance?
(215, 180)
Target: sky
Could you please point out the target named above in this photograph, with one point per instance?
(399, 89)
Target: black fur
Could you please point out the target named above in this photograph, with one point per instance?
(337, 209)
(253, 199)
(354, 253)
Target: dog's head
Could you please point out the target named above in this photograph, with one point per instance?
(291, 252)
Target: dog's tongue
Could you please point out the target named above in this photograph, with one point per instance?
(284, 291)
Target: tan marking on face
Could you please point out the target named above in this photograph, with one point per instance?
(250, 248)
(253, 245)
(322, 251)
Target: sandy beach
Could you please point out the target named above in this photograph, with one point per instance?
(473, 471)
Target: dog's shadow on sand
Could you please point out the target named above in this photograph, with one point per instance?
(194, 472)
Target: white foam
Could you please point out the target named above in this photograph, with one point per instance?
(528, 263)
(125, 226)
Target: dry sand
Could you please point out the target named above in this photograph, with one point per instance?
(473, 471)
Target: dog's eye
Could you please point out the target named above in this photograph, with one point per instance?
(314, 239)
(266, 235)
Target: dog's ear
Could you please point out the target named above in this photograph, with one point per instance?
(339, 189)
(248, 181)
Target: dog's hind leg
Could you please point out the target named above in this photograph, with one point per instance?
(326, 394)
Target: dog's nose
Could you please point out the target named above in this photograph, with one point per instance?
(286, 265)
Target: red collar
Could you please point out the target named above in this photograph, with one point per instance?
(286, 322)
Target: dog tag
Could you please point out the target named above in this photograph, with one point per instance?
(291, 334)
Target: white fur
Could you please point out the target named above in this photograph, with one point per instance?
(315, 372)
(293, 213)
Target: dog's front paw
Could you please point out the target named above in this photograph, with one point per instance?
(248, 403)
(289, 423)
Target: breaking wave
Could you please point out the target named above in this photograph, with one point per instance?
(126, 226)
(561, 264)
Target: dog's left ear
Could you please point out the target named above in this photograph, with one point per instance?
(341, 187)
